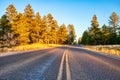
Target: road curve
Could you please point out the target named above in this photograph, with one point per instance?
(60, 63)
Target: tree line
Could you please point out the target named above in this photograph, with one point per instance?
(105, 35)
(26, 28)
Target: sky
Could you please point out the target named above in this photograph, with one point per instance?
(76, 12)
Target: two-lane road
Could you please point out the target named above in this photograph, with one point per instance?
(60, 63)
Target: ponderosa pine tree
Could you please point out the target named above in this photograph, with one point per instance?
(94, 31)
(13, 18)
(11, 12)
(52, 27)
(54, 30)
(94, 22)
(62, 34)
(29, 19)
(22, 30)
(114, 20)
(5, 30)
(105, 34)
(36, 34)
(86, 38)
(72, 34)
(44, 30)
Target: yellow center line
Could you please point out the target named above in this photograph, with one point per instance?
(59, 77)
(68, 74)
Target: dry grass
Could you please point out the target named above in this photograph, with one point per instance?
(106, 49)
(29, 47)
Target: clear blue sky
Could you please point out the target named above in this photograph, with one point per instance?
(76, 12)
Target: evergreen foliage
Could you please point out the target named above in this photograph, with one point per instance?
(104, 35)
(28, 28)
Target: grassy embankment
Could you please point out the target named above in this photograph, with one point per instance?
(28, 47)
(106, 49)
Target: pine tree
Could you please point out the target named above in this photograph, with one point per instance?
(112, 35)
(44, 30)
(36, 34)
(13, 18)
(62, 34)
(94, 21)
(5, 30)
(85, 38)
(29, 15)
(114, 20)
(28, 12)
(94, 31)
(105, 34)
(72, 34)
(22, 30)
(52, 28)
(11, 12)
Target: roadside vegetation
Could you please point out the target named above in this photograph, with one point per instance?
(28, 30)
(34, 46)
(106, 37)
(113, 50)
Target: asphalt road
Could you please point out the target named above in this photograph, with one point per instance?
(60, 63)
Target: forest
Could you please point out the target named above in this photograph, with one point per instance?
(105, 35)
(28, 27)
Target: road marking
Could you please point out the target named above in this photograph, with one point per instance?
(14, 66)
(68, 74)
(59, 77)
